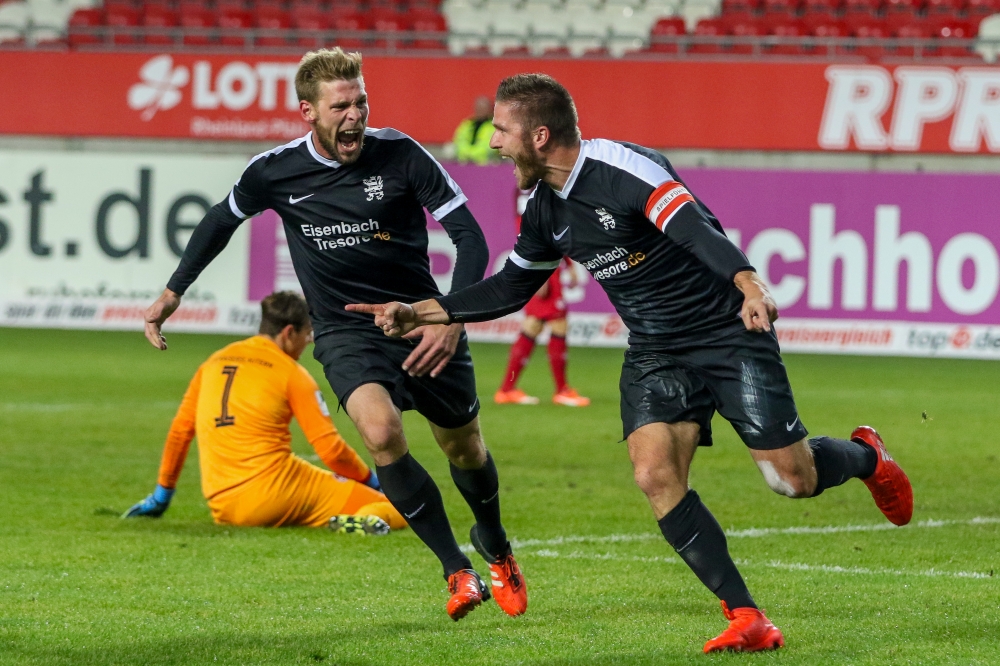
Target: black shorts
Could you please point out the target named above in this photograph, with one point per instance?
(740, 375)
(351, 359)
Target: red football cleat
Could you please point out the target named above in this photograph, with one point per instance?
(514, 397)
(889, 486)
(467, 591)
(570, 398)
(749, 631)
(509, 589)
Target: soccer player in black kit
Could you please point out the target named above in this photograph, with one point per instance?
(700, 339)
(352, 200)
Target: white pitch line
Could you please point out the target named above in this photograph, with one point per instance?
(772, 564)
(754, 532)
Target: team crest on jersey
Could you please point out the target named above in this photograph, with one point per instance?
(606, 218)
(373, 188)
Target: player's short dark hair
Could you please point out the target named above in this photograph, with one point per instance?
(541, 101)
(324, 65)
(280, 309)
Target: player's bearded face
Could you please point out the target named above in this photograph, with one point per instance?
(341, 115)
(529, 167)
(513, 141)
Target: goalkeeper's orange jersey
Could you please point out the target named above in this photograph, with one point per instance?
(240, 404)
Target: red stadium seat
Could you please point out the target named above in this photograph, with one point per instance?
(788, 29)
(124, 21)
(899, 13)
(819, 12)
(953, 29)
(310, 20)
(861, 7)
(745, 29)
(268, 5)
(740, 7)
(305, 5)
(516, 52)
(158, 17)
(227, 5)
(664, 29)
(914, 30)
(429, 21)
(196, 23)
(821, 6)
(348, 27)
(832, 30)
(271, 18)
(232, 19)
(781, 7)
(710, 27)
(81, 20)
(346, 7)
(980, 8)
(857, 20)
(391, 24)
(556, 52)
(874, 29)
(944, 7)
(192, 5)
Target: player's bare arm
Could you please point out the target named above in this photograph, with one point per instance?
(759, 309)
(157, 313)
(398, 319)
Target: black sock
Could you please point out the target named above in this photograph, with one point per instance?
(697, 537)
(415, 495)
(838, 460)
(481, 489)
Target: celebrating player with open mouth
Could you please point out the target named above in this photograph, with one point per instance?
(352, 199)
(700, 339)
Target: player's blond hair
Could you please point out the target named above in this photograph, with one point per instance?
(325, 65)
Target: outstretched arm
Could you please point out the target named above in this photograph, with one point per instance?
(182, 431)
(209, 238)
(494, 297)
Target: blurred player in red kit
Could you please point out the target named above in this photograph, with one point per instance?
(546, 307)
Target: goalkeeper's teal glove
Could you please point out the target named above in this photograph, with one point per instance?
(372, 481)
(154, 505)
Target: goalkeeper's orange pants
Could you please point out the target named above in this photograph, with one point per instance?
(299, 493)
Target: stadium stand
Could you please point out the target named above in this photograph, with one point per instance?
(852, 29)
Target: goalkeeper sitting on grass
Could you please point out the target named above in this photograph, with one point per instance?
(239, 404)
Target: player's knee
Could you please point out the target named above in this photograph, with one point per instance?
(384, 437)
(654, 479)
(790, 483)
(464, 446)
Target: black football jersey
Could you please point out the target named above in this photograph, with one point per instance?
(356, 233)
(612, 216)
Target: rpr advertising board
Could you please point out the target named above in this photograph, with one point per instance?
(734, 105)
(858, 262)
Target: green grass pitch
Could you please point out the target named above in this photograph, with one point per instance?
(82, 421)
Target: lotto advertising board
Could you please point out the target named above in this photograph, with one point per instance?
(661, 104)
(858, 263)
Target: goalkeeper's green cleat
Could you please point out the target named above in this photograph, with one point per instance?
(349, 524)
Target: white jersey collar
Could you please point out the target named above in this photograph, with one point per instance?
(564, 192)
(319, 158)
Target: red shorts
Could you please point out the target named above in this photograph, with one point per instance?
(552, 306)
